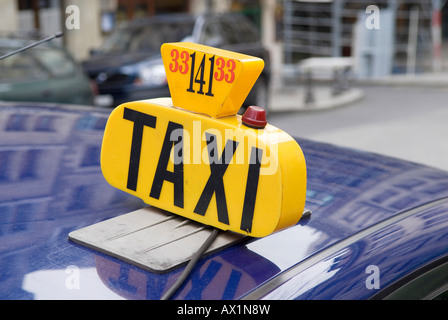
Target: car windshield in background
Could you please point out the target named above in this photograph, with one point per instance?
(55, 61)
(19, 67)
(146, 38)
(34, 65)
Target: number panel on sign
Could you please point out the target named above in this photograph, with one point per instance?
(225, 70)
(208, 80)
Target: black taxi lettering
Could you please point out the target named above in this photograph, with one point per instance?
(251, 189)
(140, 121)
(218, 167)
(162, 174)
(215, 185)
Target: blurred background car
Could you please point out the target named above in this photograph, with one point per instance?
(46, 74)
(128, 66)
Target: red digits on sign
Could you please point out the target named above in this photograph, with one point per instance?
(175, 56)
(231, 68)
(220, 63)
(220, 75)
(185, 57)
(183, 67)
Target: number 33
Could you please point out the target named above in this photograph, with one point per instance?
(175, 66)
(229, 76)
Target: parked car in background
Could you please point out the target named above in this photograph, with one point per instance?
(128, 66)
(45, 74)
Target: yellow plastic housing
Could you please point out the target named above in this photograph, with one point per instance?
(218, 172)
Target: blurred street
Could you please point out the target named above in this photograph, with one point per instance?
(403, 121)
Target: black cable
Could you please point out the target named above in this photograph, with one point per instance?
(194, 259)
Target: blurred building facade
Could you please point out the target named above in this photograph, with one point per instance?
(406, 35)
(384, 37)
(85, 23)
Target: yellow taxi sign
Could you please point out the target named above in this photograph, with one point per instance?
(208, 80)
(219, 172)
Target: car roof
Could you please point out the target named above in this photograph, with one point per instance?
(399, 249)
(51, 184)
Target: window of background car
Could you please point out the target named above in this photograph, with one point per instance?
(155, 35)
(210, 35)
(19, 68)
(55, 61)
(247, 32)
(229, 32)
(147, 38)
(117, 42)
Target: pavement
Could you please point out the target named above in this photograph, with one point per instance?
(401, 116)
(293, 98)
(291, 95)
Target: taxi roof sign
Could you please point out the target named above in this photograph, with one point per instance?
(208, 80)
(215, 171)
(183, 156)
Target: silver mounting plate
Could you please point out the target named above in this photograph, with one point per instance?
(150, 238)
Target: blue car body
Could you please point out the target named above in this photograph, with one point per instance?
(377, 223)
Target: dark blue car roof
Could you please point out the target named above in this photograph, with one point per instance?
(365, 207)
